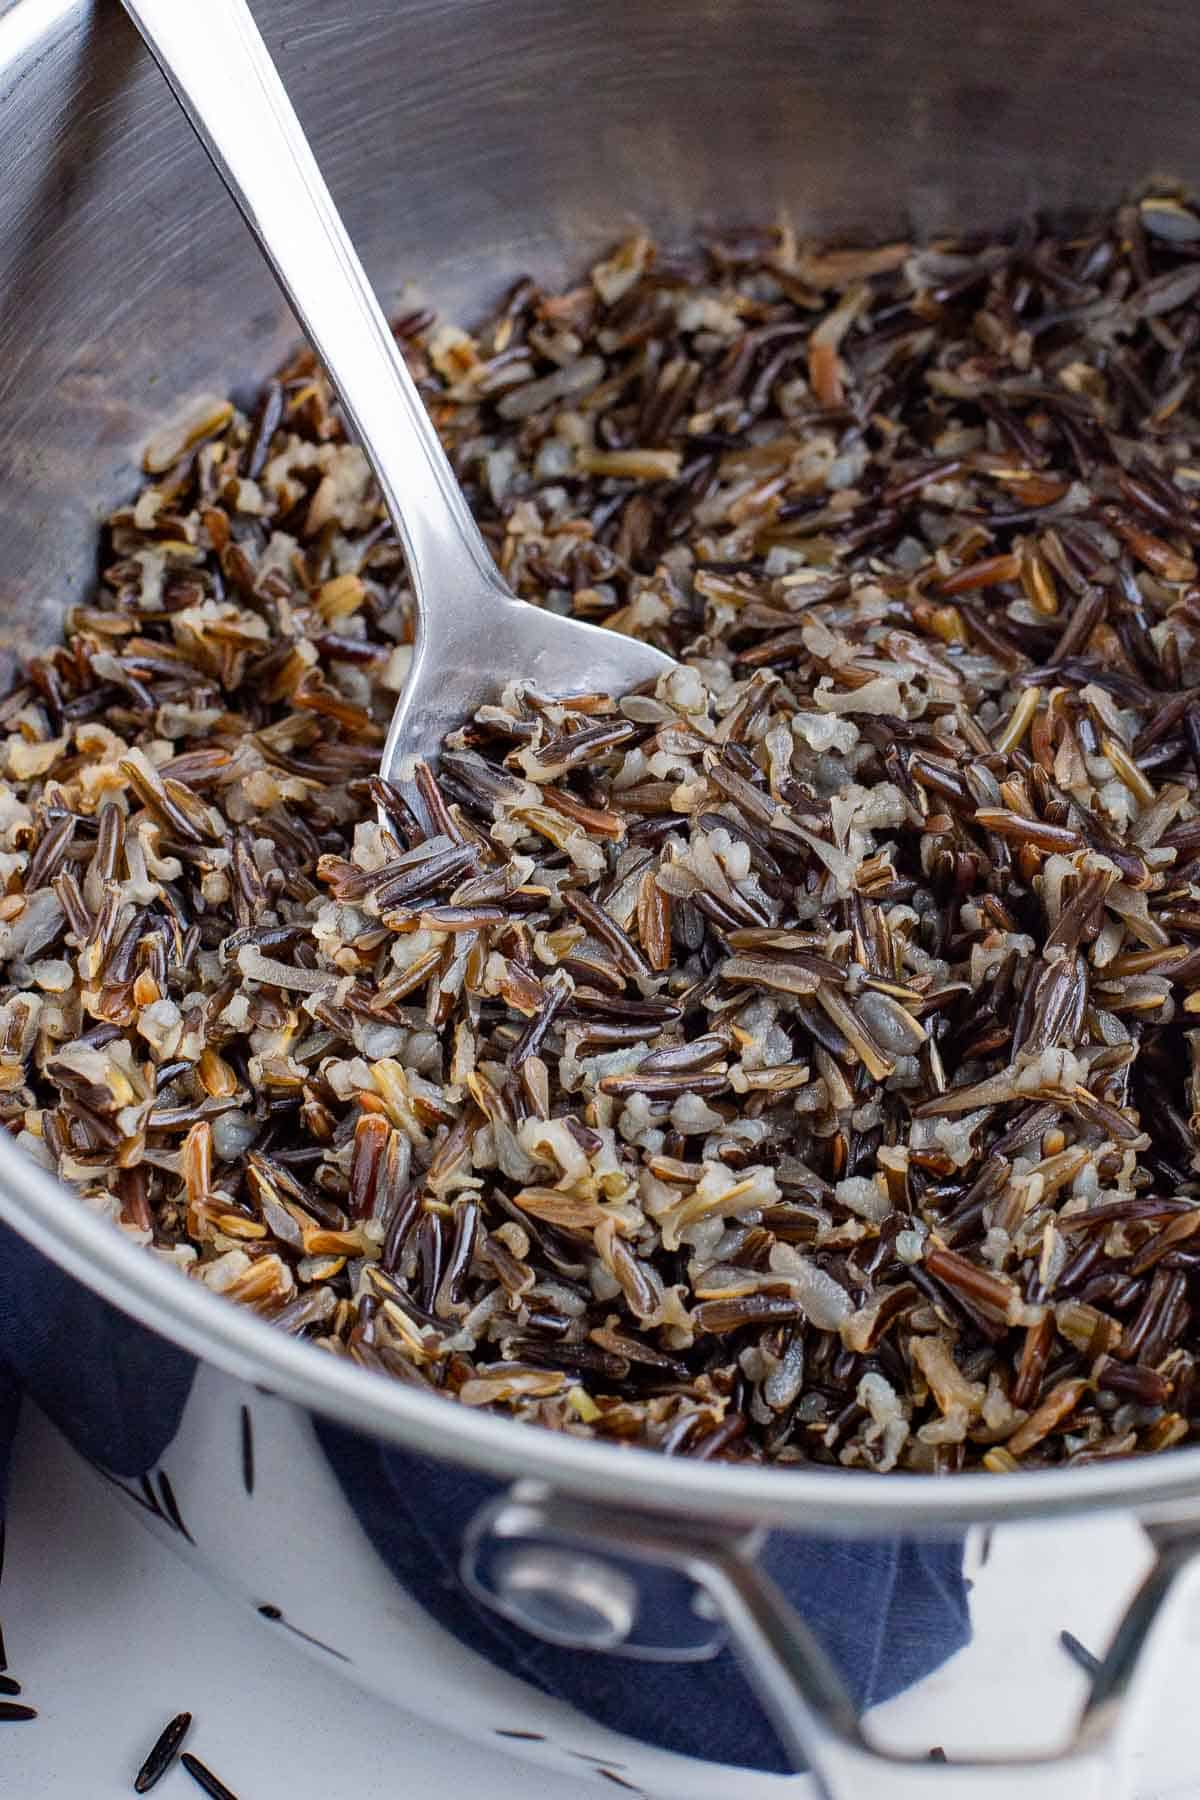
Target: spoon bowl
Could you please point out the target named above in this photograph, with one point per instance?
(464, 658)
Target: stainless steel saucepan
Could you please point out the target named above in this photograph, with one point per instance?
(465, 143)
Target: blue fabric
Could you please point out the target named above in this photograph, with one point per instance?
(114, 1388)
(10, 1400)
(887, 1612)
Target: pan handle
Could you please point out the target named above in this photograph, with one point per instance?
(570, 1570)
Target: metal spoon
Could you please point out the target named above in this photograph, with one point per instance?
(472, 634)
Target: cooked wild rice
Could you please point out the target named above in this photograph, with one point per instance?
(794, 1063)
(162, 1753)
(204, 1778)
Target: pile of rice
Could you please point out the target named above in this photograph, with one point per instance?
(792, 1063)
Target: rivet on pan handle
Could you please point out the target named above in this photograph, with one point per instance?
(595, 1577)
(536, 1569)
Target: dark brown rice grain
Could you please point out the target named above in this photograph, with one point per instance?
(162, 1753)
(205, 1779)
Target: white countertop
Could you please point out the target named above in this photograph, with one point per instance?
(109, 1635)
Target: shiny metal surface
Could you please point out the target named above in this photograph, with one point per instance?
(473, 635)
(565, 1597)
(128, 282)
(465, 145)
(525, 1562)
(795, 1681)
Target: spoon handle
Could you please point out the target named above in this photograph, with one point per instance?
(223, 76)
